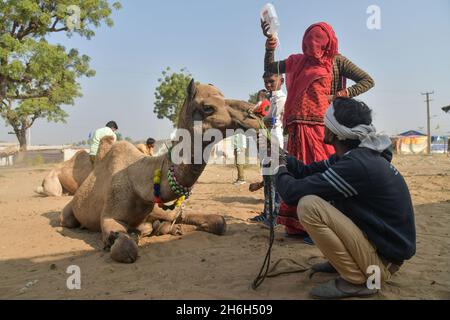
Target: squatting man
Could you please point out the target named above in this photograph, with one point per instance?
(355, 205)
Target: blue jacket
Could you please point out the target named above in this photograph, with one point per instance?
(365, 187)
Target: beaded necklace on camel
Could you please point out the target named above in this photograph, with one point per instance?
(181, 191)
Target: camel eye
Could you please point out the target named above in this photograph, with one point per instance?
(208, 110)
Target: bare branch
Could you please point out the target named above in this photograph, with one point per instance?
(36, 116)
(13, 31)
(54, 24)
(58, 30)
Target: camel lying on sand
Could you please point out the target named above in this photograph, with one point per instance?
(68, 176)
(118, 199)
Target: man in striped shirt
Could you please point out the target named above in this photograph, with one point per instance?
(356, 206)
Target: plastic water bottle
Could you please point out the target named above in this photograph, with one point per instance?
(269, 15)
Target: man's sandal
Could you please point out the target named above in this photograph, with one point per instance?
(341, 289)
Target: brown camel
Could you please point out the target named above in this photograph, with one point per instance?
(117, 198)
(68, 176)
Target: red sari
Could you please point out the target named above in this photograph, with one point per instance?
(308, 80)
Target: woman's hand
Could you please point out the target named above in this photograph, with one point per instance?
(265, 28)
(272, 41)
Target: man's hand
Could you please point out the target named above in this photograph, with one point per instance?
(330, 98)
(282, 159)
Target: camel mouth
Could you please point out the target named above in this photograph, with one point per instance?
(245, 127)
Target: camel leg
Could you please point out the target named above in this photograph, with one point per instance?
(145, 229)
(160, 214)
(212, 223)
(165, 227)
(123, 248)
(51, 187)
(68, 219)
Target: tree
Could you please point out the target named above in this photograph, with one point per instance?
(37, 78)
(171, 93)
(253, 98)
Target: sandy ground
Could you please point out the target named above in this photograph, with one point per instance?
(35, 252)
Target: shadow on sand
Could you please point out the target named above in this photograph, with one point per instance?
(242, 200)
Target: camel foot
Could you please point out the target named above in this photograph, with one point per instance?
(68, 219)
(215, 224)
(124, 249)
(145, 229)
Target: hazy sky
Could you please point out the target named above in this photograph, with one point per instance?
(220, 42)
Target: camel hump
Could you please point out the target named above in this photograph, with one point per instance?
(143, 148)
(105, 145)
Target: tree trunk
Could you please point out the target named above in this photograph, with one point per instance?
(22, 137)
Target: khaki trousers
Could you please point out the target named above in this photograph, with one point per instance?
(239, 161)
(340, 240)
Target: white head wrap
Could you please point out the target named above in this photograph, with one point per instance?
(367, 134)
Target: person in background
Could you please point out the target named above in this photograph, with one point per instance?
(448, 147)
(274, 122)
(239, 148)
(109, 130)
(147, 148)
(274, 119)
(356, 206)
(151, 146)
(313, 79)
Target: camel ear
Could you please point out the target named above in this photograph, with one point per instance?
(192, 89)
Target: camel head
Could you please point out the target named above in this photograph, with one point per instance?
(207, 104)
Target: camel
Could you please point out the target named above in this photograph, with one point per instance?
(7, 153)
(117, 198)
(68, 176)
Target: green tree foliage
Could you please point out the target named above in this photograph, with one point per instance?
(36, 77)
(253, 98)
(171, 93)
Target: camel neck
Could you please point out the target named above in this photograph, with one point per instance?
(188, 174)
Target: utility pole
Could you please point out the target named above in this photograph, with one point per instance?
(428, 119)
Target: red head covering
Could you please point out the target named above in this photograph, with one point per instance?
(320, 46)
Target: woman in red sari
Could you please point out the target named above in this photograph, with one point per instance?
(313, 80)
